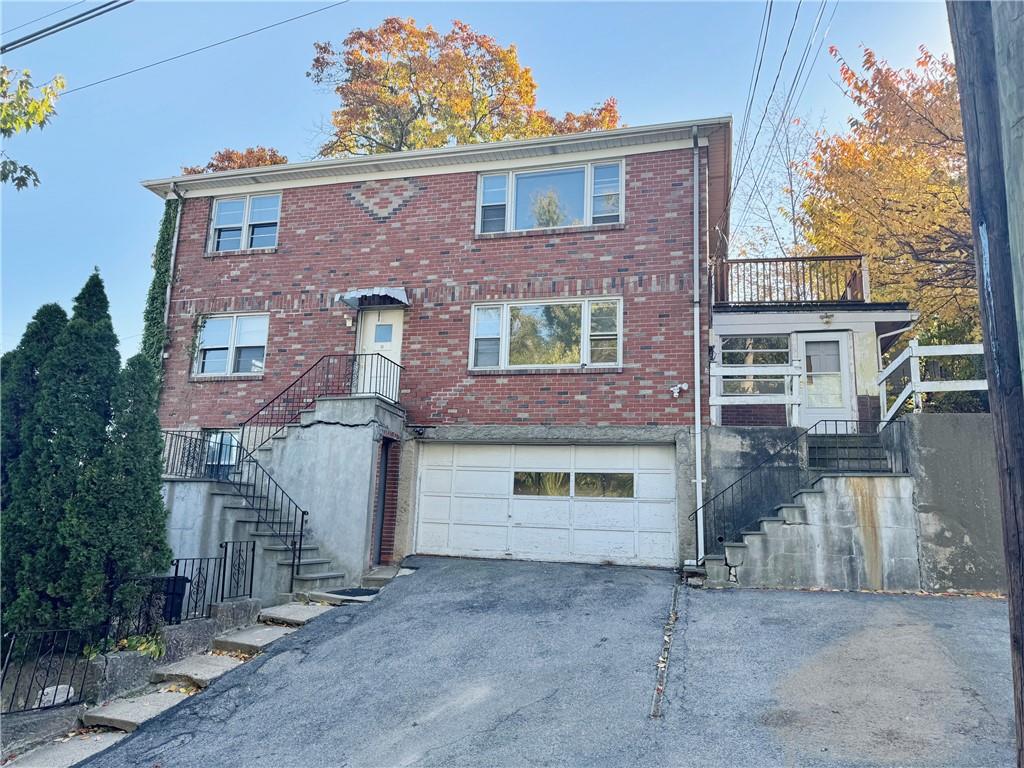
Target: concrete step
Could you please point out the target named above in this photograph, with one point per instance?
(293, 614)
(319, 575)
(64, 754)
(306, 547)
(250, 640)
(280, 534)
(340, 596)
(199, 670)
(129, 714)
(287, 562)
(379, 576)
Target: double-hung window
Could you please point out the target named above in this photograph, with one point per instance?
(231, 344)
(754, 351)
(577, 195)
(538, 334)
(240, 223)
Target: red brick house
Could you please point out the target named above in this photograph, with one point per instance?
(512, 325)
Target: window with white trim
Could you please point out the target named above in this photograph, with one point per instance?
(248, 221)
(754, 351)
(577, 195)
(547, 334)
(232, 344)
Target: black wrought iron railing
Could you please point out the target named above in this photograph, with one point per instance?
(50, 668)
(362, 375)
(198, 455)
(829, 446)
(791, 280)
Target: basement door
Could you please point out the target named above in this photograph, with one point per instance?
(589, 504)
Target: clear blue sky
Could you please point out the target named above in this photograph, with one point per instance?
(662, 61)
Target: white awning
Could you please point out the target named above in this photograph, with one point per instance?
(374, 297)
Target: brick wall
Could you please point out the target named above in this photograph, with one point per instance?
(769, 415)
(333, 239)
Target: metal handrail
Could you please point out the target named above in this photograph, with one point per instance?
(354, 375)
(187, 455)
(773, 481)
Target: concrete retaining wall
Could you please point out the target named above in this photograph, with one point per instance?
(848, 533)
(956, 493)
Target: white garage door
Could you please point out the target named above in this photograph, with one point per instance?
(590, 504)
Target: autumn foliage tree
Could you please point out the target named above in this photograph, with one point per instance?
(231, 159)
(403, 87)
(894, 187)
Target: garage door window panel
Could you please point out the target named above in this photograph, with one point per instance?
(614, 485)
(541, 484)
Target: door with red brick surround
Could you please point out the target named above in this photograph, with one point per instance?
(380, 332)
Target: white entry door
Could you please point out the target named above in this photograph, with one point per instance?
(575, 503)
(380, 341)
(827, 383)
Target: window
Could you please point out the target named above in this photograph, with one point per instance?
(587, 332)
(231, 344)
(245, 222)
(824, 376)
(615, 485)
(540, 484)
(754, 350)
(557, 197)
(221, 452)
(382, 333)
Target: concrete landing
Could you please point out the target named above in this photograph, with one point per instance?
(199, 670)
(129, 714)
(251, 639)
(293, 614)
(64, 754)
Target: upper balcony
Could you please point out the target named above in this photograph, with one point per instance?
(788, 281)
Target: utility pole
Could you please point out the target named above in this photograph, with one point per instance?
(988, 43)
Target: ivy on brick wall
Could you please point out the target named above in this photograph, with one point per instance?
(154, 330)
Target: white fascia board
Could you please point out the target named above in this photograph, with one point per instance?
(766, 323)
(496, 156)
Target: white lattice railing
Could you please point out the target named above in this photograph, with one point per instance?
(906, 369)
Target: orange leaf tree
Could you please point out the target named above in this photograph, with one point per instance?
(402, 87)
(894, 186)
(230, 159)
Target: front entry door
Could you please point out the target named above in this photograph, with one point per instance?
(380, 345)
(827, 382)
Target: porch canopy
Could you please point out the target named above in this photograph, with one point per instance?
(363, 298)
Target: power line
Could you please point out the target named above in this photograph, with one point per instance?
(755, 74)
(40, 18)
(203, 48)
(60, 26)
(753, 145)
(790, 104)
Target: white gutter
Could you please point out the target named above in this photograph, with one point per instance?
(698, 435)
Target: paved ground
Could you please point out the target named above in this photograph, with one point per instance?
(501, 663)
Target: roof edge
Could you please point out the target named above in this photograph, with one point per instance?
(442, 156)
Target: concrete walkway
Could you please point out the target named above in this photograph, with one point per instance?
(502, 663)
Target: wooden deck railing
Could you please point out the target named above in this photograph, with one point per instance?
(791, 280)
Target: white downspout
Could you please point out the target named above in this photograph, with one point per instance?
(698, 436)
(174, 253)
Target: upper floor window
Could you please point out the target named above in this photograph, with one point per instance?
(232, 344)
(547, 334)
(245, 222)
(556, 197)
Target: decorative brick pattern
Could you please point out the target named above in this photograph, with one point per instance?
(383, 199)
(426, 243)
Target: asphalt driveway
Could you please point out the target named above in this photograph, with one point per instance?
(478, 663)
